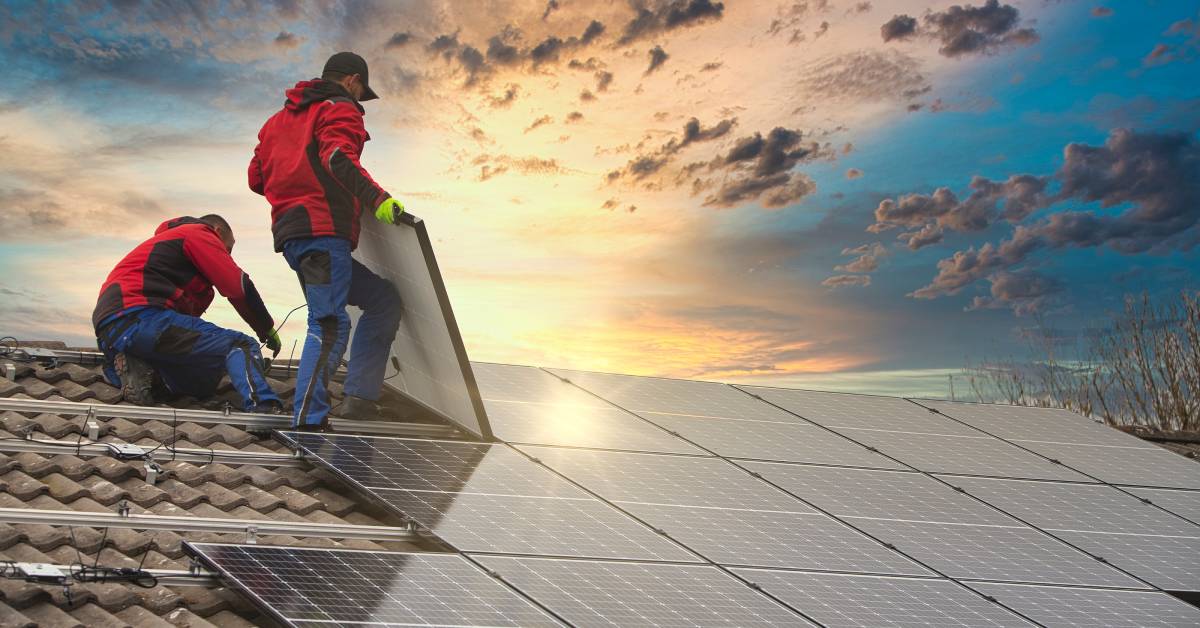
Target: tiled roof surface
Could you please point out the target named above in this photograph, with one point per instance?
(100, 484)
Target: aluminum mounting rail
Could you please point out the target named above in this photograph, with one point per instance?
(279, 368)
(252, 528)
(125, 451)
(245, 420)
(47, 573)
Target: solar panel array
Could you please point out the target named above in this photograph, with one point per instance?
(619, 500)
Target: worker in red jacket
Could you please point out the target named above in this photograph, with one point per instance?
(148, 324)
(307, 166)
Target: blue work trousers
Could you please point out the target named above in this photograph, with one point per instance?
(189, 354)
(332, 279)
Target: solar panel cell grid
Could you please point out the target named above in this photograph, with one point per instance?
(1094, 608)
(878, 494)
(1056, 506)
(527, 383)
(971, 455)
(1016, 554)
(578, 426)
(1186, 504)
(602, 593)
(1168, 562)
(1045, 424)
(377, 462)
(861, 411)
(647, 395)
(766, 440)
(845, 601)
(1137, 466)
(531, 525)
(773, 539)
(657, 479)
(347, 587)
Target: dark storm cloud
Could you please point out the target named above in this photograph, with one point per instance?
(693, 132)
(545, 51)
(964, 29)
(1153, 177)
(1021, 195)
(899, 27)
(667, 16)
(758, 168)
(603, 80)
(503, 51)
(658, 56)
(1025, 292)
(551, 7)
(398, 40)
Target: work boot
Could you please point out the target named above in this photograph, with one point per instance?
(140, 383)
(321, 428)
(359, 409)
(270, 406)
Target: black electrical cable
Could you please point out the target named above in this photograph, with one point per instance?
(284, 321)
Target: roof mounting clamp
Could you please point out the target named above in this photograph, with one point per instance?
(252, 535)
(44, 573)
(10, 371)
(152, 472)
(93, 430)
(123, 508)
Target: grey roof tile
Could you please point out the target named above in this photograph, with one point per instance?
(143, 618)
(64, 489)
(104, 392)
(221, 497)
(94, 616)
(9, 388)
(296, 501)
(36, 388)
(73, 391)
(13, 618)
(259, 499)
(184, 618)
(50, 616)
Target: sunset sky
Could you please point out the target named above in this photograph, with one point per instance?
(836, 194)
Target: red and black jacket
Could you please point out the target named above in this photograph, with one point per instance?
(176, 270)
(306, 164)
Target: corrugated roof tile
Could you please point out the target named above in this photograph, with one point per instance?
(143, 618)
(13, 618)
(48, 615)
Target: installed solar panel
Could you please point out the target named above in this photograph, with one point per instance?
(861, 411)
(1095, 508)
(1183, 503)
(510, 524)
(529, 405)
(419, 464)
(647, 395)
(768, 440)
(659, 479)
(433, 361)
(484, 497)
(1138, 466)
(302, 586)
(1097, 608)
(878, 494)
(971, 455)
(1167, 562)
(604, 593)
(1038, 424)
(1016, 554)
(774, 539)
(839, 600)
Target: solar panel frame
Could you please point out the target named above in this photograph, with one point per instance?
(1014, 553)
(1099, 608)
(438, 589)
(755, 538)
(403, 254)
(1080, 507)
(863, 601)
(960, 454)
(837, 410)
(622, 477)
(879, 494)
(607, 593)
(772, 440)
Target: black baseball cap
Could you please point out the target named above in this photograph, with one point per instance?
(349, 63)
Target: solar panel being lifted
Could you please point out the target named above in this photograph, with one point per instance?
(434, 370)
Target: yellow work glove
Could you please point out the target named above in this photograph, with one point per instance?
(389, 211)
(274, 343)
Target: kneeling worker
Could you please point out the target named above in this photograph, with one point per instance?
(148, 326)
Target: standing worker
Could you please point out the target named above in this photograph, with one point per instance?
(307, 166)
(148, 325)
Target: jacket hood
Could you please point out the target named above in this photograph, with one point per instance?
(306, 93)
(177, 222)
